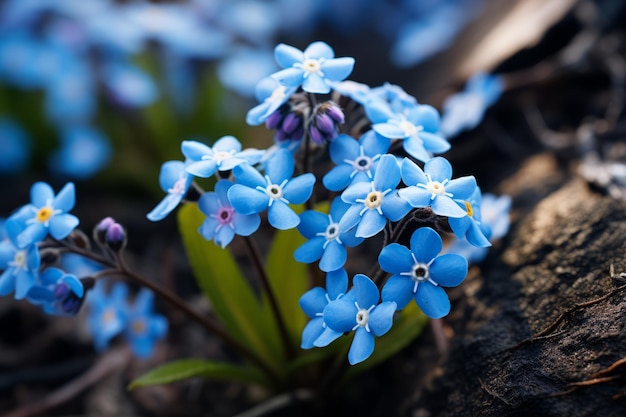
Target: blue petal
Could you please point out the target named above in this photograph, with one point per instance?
(34, 233)
(41, 194)
(395, 259)
(379, 113)
(66, 198)
(290, 77)
(439, 169)
(281, 216)
(340, 315)
(319, 49)
(312, 331)
(356, 191)
(327, 337)
(476, 237)
(7, 282)
(381, 318)
(247, 200)
(366, 291)
(362, 346)
(390, 131)
(387, 173)
(23, 282)
(248, 176)
(209, 203)
(314, 83)
(75, 285)
(398, 289)
(432, 300)
(371, 223)
(374, 144)
(425, 116)
(343, 147)
(336, 283)
(227, 144)
(394, 207)
(462, 188)
(171, 171)
(445, 206)
(280, 166)
(425, 244)
(208, 228)
(194, 150)
(334, 257)
(224, 236)
(310, 251)
(415, 196)
(169, 203)
(449, 270)
(415, 147)
(311, 223)
(434, 143)
(202, 169)
(62, 225)
(313, 301)
(299, 189)
(338, 69)
(412, 174)
(287, 55)
(246, 224)
(338, 178)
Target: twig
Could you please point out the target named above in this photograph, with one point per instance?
(111, 361)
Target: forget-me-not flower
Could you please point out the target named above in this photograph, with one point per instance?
(108, 313)
(272, 95)
(359, 311)
(313, 303)
(84, 152)
(20, 265)
(433, 188)
(144, 328)
(224, 155)
(311, 68)
(470, 226)
(326, 241)
(466, 109)
(47, 213)
(58, 292)
(420, 274)
(355, 161)
(175, 181)
(373, 203)
(223, 222)
(274, 191)
(417, 125)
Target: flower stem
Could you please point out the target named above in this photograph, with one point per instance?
(265, 283)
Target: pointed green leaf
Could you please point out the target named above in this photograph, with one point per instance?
(197, 368)
(232, 298)
(288, 279)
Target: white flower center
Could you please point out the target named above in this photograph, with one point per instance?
(222, 156)
(409, 128)
(332, 231)
(278, 94)
(362, 317)
(311, 65)
(19, 260)
(374, 199)
(435, 188)
(420, 272)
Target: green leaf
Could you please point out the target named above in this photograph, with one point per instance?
(288, 280)
(232, 298)
(193, 368)
(406, 327)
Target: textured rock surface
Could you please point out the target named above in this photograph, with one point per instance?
(557, 256)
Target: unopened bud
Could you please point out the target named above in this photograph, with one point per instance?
(323, 127)
(116, 237)
(100, 231)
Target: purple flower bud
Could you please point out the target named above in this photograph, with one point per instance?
(116, 237)
(274, 120)
(335, 113)
(99, 232)
(325, 124)
(316, 135)
(291, 122)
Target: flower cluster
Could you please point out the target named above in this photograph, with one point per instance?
(385, 180)
(43, 259)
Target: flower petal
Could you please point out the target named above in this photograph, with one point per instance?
(313, 329)
(336, 283)
(462, 188)
(439, 169)
(432, 300)
(319, 49)
(371, 223)
(445, 206)
(313, 301)
(366, 291)
(247, 200)
(398, 289)
(280, 166)
(381, 318)
(334, 257)
(362, 346)
(281, 216)
(41, 194)
(338, 69)
(66, 198)
(387, 173)
(287, 55)
(340, 315)
(395, 259)
(246, 224)
(327, 337)
(412, 174)
(299, 189)
(310, 251)
(449, 270)
(425, 244)
(62, 225)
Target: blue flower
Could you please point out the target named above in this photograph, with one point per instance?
(84, 152)
(272, 95)
(356, 160)
(128, 85)
(325, 239)
(70, 96)
(223, 222)
(47, 213)
(360, 312)
(312, 68)
(254, 193)
(108, 313)
(58, 293)
(20, 265)
(244, 69)
(419, 273)
(417, 125)
(14, 147)
(432, 187)
(470, 226)
(144, 328)
(175, 181)
(465, 110)
(372, 203)
(313, 303)
(204, 161)
(79, 265)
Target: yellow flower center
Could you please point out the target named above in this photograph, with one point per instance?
(469, 209)
(311, 65)
(139, 326)
(44, 214)
(374, 199)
